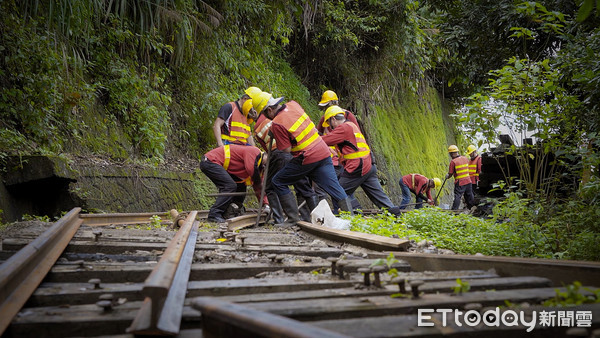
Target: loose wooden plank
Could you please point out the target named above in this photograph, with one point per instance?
(368, 241)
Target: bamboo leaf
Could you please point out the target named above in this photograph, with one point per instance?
(585, 10)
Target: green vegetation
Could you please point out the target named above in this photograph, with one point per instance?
(574, 295)
(461, 287)
(520, 227)
(142, 82)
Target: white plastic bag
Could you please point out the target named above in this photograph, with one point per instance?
(323, 214)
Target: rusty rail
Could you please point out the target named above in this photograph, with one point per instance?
(223, 319)
(244, 221)
(21, 274)
(128, 218)
(166, 286)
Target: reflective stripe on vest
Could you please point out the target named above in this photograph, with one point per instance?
(263, 132)
(239, 130)
(361, 144)
(227, 156)
(298, 124)
(461, 170)
(473, 167)
(304, 132)
(473, 170)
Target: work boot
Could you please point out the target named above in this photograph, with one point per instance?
(304, 212)
(290, 207)
(346, 205)
(312, 202)
(395, 211)
(275, 208)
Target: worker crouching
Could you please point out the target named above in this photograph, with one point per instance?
(420, 186)
(231, 168)
(356, 158)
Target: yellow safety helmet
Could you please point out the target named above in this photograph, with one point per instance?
(453, 149)
(260, 101)
(328, 95)
(437, 182)
(471, 148)
(331, 112)
(246, 107)
(252, 91)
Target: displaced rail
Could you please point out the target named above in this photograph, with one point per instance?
(172, 274)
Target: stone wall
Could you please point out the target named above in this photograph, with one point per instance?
(40, 185)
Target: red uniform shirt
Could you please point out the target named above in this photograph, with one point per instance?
(418, 184)
(291, 116)
(348, 139)
(475, 169)
(459, 167)
(242, 162)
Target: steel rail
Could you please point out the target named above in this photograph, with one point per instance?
(166, 285)
(120, 218)
(21, 274)
(129, 218)
(224, 319)
(244, 221)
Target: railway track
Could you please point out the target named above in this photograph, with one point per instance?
(172, 274)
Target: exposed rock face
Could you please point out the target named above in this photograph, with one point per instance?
(40, 185)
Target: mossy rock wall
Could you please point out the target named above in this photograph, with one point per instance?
(408, 133)
(137, 190)
(50, 186)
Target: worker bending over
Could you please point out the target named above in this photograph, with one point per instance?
(294, 132)
(420, 186)
(277, 160)
(231, 168)
(459, 168)
(356, 158)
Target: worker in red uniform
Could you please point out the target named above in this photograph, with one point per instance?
(474, 165)
(295, 133)
(356, 158)
(459, 168)
(420, 186)
(328, 99)
(277, 160)
(231, 168)
(231, 126)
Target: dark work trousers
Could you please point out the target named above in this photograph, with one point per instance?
(405, 195)
(321, 172)
(459, 190)
(277, 161)
(323, 195)
(371, 186)
(225, 183)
